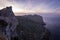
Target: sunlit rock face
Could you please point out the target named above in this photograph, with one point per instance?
(28, 29)
(8, 19)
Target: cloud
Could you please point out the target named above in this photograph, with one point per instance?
(31, 5)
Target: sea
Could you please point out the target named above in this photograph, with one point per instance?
(52, 24)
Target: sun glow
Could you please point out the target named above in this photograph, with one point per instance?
(17, 10)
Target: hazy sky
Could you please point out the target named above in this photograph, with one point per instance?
(42, 6)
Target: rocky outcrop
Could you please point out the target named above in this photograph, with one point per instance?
(7, 12)
(30, 30)
(29, 27)
(7, 16)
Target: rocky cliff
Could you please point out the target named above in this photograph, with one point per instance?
(27, 27)
(36, 18)
(30, 30)
(8, 22)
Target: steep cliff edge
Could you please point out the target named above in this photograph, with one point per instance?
(29, 27)
(8, 19)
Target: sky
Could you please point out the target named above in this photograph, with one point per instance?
(32, 6)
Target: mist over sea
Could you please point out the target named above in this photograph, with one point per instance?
(52, 24)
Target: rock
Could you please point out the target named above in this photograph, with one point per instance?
(7, 15)
(36, 18)
(7, 12)
(31, 30)
(29, 27)
(2, 36)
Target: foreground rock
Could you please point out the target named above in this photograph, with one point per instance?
(8, 22)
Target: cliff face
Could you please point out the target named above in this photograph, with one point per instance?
(36, 18)
(7, 17)
(6, 12)
(28, 28)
